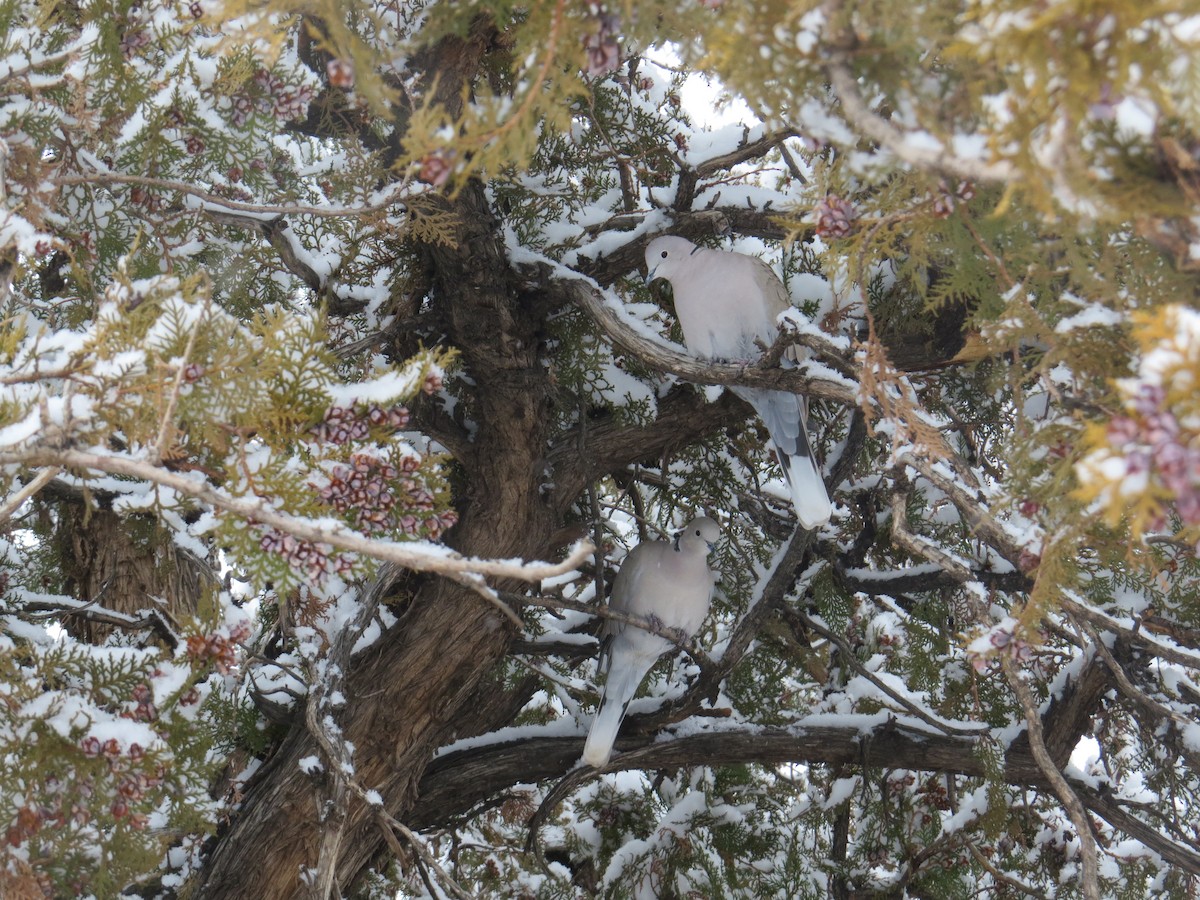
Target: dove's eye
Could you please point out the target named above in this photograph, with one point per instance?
(664, 256)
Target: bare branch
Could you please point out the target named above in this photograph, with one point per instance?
(318, 718)
(690, 647)
(459, 780)
(14, 502)
(981, 522)
(147, 619)
(1116, 626)
(685, 192)
(1075, 809)
(847, 655)
(1140, 697)
(919, 545)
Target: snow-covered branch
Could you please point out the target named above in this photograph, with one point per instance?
(907, 148)
(417, 556)
(215, 203)
(666, 358)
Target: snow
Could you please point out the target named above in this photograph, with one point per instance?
(1137, 117)
(840, 791)
(1093, 316)
(19, 432)
(311, 765)
(515, 734)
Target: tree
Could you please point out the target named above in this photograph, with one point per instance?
(326, 350)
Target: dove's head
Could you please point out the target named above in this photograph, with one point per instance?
(699, 534)
(666, 256)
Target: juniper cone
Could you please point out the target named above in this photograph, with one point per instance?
(668, 583)
(725, 303)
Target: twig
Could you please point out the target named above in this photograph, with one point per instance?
(1108, 623)
(36, 484)
(605, 612)
(998, 875)
(152, 619)
(915, 543)
(847, 654)
(159, 450)
(1075, 808)
(1138, 696)
(476, 584)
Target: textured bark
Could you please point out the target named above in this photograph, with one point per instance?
(122, 564)
(405, 692)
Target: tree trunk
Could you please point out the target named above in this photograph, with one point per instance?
(123, 564)
(406, 691)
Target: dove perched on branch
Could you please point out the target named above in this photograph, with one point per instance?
(670, 585)
(725, 303)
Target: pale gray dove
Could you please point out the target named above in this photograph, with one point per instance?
(725, 302)
(667, 583)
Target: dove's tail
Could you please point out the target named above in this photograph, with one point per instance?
(784, 416)
(809, 496)
(622, 684)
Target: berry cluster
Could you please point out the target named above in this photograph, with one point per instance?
(1151, 442)
(271, 95)
(145, 711)
(316, 561)
(1000, 640)
(133, 39)
(218, 648)
(343, 424)
(367, 488)
(130, 773)
(603, 51)
(433, 383)
(436, 167)
(340, 73)
(363, 488)
(834, 216)
(944, 202)
(139, 196)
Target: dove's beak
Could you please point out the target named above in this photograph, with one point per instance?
(650, 276)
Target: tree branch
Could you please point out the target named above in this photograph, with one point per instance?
(418, 556)
(228, 206)
(1068, 797)
(667, 358)
(863, 120)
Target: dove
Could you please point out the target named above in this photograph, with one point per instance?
(667, 583)
(726, 302)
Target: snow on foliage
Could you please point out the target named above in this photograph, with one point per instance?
(272, 278)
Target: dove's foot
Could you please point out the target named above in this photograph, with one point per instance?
(678, 635)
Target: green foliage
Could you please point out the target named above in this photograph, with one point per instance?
(106, 762)
(188, 290)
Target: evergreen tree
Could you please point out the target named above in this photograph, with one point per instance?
(332, 398)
